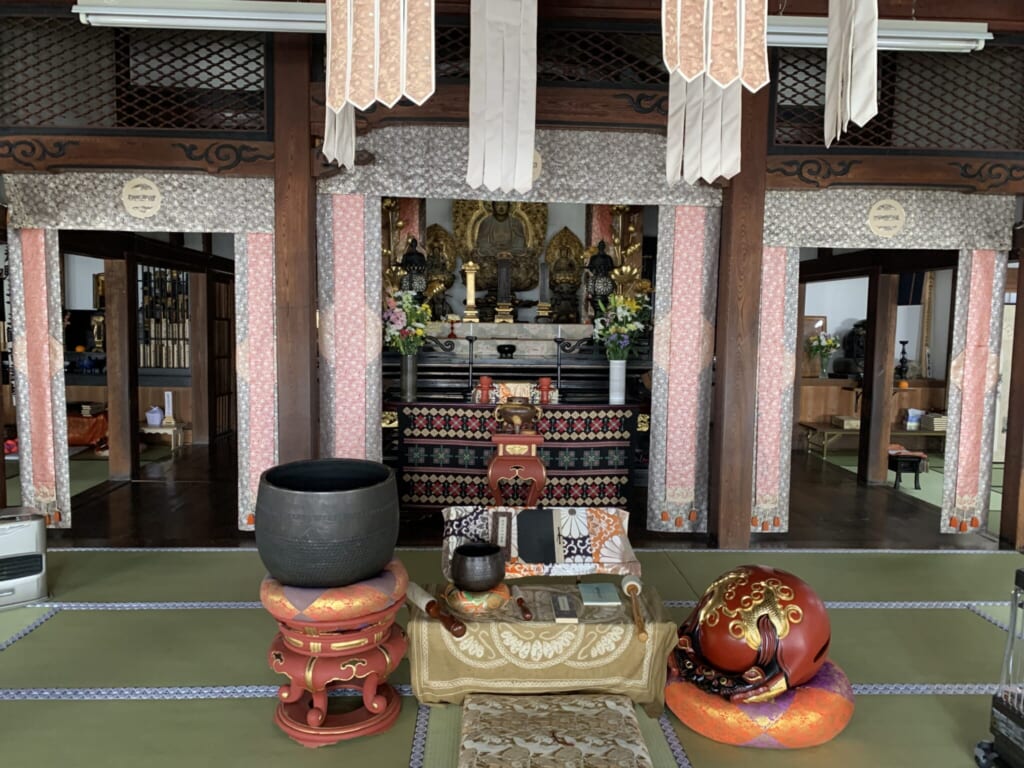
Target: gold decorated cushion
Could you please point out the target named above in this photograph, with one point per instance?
(333, 604)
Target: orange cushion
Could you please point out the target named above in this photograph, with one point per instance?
(806, 716)
(335, 603)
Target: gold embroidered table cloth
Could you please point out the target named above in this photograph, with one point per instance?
(502, 653)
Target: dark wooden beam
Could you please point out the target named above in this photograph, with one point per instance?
(294, 252)
(739, 301)
(199, 326)
(25, 153)
(122, 367)
(630, 109)
(865, 262)
(1001, 14)
(1011, 523)
(877, 405)
(820, 169)
(114, 245)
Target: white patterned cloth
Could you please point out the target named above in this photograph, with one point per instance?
(502, 94)
(851, 75)
(712, 49)
(377, 50)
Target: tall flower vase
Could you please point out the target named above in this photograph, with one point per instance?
(409, 378)
(823, 373)
(616, 382)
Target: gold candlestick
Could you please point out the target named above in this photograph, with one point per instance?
(471, 316)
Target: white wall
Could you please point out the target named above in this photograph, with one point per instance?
(844, 302)
(78, 272)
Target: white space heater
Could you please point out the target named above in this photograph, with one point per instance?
(22, 556)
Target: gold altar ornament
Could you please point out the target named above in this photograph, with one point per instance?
(626, 279)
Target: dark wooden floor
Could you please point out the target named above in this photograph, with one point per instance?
(192, 501)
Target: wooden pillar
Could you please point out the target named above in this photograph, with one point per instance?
(199, 317)
(1011, 523)
(877, 403)
(122, 367)
(294, 251)
(736, 335)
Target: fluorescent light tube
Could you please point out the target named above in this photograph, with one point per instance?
(241, 15)
(249, 15)
(893, 34)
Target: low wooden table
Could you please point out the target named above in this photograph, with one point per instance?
(821, 434)
(176, 431)
(502, 653)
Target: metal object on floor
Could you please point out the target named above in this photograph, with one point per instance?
(1007, 724)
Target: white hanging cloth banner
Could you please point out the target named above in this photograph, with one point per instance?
(502, 94)
(712, 49)
(377, 51)
(851, 73)
(705, 120)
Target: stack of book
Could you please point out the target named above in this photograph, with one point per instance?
(934, 422)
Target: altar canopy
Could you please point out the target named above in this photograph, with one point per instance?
(377, 51)
(711, 48)
(851, 75)
(502, 94)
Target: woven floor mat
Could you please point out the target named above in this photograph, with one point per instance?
(542, 731)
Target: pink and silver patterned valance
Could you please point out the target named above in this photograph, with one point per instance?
(377, 51)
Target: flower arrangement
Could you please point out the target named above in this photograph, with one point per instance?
(620, 323)
(405, 322)
(822, 345)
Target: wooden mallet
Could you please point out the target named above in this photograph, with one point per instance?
(517, 595)
(632, 586)
(419, 597)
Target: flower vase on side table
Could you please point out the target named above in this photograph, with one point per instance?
(823, 373)
(616, 382)
(409, 362)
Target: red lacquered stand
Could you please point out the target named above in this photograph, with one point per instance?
(517, 458)
(318, 657)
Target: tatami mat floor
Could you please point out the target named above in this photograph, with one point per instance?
(158, 658)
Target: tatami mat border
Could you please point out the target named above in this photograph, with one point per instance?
(784, 550)
(992, 619)
(672, 739)
(925, 689)
(880, 604)
(687, 550)
(29, 629)
(250, 605)
(149, 606)
(188, 693)
(419, 737)
(172, 693)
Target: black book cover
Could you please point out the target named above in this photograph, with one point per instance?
(535, 537)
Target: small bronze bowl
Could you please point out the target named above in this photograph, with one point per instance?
(477, 567)
(505, 351)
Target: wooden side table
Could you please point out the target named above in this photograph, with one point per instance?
(517, 457)
(176, 431)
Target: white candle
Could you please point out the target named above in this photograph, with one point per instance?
(558, 334)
